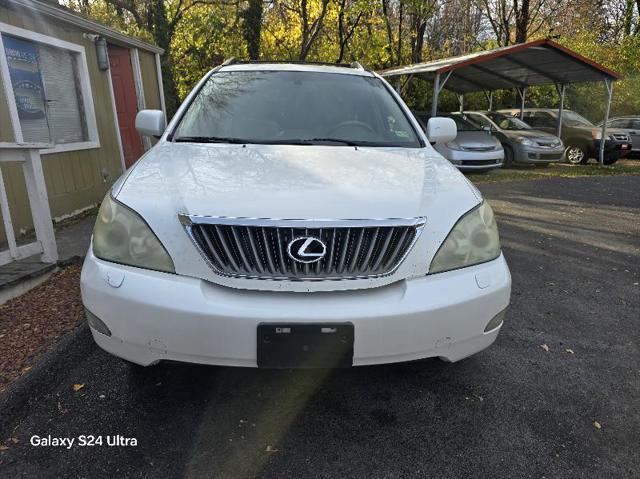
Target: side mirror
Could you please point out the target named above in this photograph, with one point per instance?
(441, 130)
(487, 128)
(150, 123)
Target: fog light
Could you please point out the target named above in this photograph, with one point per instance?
(496, 321)
(96, 323)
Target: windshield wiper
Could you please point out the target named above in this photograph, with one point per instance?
(335, 140)
(210, 139)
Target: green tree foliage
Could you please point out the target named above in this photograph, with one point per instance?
(199, 34)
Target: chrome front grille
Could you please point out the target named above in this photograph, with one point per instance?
(259, 248)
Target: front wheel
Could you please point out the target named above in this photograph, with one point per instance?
(575, 155)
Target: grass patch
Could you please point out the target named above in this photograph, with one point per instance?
(556, 170)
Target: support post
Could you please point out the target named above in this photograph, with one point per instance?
(560, 89)
(436, 92)
(608, 83)
(489, 97)
(522, 92)
(6, 219)
(39, 203)
(461, 102)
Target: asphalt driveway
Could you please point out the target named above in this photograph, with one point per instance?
(556, 396)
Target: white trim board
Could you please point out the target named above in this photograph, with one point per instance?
(139, 86)
(8, 91)
(161, 87)
(85, 87)
(116, 123)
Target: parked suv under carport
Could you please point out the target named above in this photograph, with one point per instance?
(580, 136)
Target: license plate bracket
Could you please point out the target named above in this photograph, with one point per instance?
(305, 345)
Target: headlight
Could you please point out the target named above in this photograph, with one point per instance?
(525, 141)
(473, 240)
(597, 134)
(453, 145)
(122, 236)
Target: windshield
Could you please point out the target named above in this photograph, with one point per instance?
(294, 107)
(505, 122)
(571, 118)
(465, 123)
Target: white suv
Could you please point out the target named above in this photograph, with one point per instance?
(294, 215)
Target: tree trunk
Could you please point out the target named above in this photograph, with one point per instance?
(252, 27)
(162, 35)
(522, 20)
(387, 21)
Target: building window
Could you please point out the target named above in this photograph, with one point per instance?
(49, 83)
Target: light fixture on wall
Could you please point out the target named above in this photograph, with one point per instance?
(101, 49)
(102, 53)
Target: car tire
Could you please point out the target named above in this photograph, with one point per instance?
(609, 160)
(575, 155)
(508, 157)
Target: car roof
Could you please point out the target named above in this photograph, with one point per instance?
(296, 67)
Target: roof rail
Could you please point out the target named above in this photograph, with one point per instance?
(239, 61)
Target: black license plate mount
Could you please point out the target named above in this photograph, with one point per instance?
(305, 345)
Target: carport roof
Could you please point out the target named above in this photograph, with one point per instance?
(540, 62)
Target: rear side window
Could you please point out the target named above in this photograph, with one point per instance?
(290, 107)
(620, 123)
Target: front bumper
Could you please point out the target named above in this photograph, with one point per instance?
(158, 316)
(530, 154)
(470, 160)
(612, 148)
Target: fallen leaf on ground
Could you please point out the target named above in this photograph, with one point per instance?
(271, 449)
(570, 351)
(3, 447)
(15, 440)
(545, 347)
(597, 425)
(78, 387)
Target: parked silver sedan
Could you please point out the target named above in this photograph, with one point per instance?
(521, 143)
(474, 149)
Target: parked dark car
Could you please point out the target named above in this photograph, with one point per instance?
(521, 143)
(580, 137)
(630, 125)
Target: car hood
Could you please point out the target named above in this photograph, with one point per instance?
(476, 139)
(287, 181)
(530, 134)
(295, 182)
(595, 129)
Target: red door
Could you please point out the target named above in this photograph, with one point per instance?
(124, 91)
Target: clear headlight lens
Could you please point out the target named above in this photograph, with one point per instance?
(122, 236)
(453, 145)
(473, 240)
(525, 141)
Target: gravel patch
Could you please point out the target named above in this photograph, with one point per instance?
(31, 324)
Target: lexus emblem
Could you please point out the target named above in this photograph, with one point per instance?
(306, 249)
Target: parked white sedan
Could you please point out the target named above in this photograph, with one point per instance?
(294, 216)
(473, 149)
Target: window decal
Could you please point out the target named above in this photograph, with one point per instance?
(24, 70)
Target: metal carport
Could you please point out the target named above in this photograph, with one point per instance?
(539, 62)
